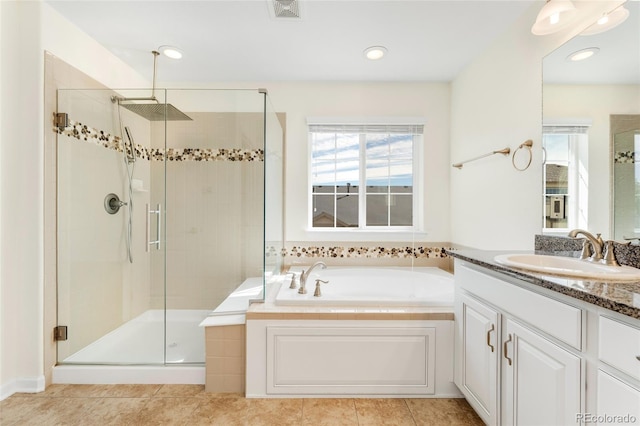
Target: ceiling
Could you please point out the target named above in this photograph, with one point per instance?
(618, 60)
(241, 40)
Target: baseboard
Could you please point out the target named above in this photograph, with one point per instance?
(26, 385)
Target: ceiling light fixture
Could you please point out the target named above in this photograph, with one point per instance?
(170, 52)
(553, 17)
(583, 54)
(375, 52)
(608, 21)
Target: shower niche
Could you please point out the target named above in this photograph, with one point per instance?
(196, 199)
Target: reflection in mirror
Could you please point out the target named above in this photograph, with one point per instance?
(565, 176)
(625, 137)
(578, 99)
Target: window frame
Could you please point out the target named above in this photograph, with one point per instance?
(577, 191)
(417, 192)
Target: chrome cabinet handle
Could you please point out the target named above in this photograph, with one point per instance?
(489, 337)
(504, 349)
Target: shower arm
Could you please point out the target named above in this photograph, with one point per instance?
(119, 99)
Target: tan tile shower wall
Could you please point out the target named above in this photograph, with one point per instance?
(225, 359)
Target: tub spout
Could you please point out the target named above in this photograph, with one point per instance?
(305, 275)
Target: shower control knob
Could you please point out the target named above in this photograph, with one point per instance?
(112, 203)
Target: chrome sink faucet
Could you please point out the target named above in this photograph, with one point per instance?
(305, 275)
(600, 253)
(595, 241)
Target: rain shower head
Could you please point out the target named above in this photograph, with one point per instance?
(154, 111)
(150, 108)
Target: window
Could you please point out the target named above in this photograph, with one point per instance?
(364, 176)
(565, 177)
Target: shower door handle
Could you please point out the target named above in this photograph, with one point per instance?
(158, 213)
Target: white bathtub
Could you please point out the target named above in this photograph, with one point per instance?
(374, 287)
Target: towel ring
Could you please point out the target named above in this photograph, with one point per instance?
(526, 144)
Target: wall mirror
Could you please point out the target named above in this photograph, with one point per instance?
(581, 99)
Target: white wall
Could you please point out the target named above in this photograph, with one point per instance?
(497, 103)
(27, 30)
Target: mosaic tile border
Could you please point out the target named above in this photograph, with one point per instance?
(367, 252)
(624, 157)
(100, 138)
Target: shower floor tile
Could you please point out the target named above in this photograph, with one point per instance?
(191, 405)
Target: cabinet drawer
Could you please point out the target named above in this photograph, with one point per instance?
(557, 319)
(619, 346)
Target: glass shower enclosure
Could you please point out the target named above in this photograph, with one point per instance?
(164, 208)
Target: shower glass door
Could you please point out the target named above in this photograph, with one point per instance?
(161, 217)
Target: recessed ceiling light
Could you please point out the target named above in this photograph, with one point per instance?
(608, 21)
(583, 54)
(170, 52)
(375, 52)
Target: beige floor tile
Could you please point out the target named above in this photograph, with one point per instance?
(80, 391)
(58, 411)
(51, 390)
(271, 412)
(225, 411)
(16, 407)
(168, 411)
(437, 412)
(114, 411)
(391, 412)
(140, 405)
(180, 391)
(329, 412)
(131, 391)
(224, 395)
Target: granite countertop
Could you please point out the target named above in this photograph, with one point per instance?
(618, 296)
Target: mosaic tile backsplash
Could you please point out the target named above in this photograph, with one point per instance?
(100, 138)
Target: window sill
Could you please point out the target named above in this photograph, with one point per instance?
(332, 234)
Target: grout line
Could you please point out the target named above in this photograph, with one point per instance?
(415, 422)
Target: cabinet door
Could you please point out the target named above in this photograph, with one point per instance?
(617, 401)
(541, 380)
(478, 347)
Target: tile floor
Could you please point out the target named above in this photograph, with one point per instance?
(97, 405)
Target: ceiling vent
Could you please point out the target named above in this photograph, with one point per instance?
(286, 8)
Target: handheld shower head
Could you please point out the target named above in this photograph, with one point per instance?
(130, 153)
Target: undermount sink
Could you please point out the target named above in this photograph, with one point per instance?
(568, 267)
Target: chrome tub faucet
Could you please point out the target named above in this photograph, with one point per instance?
(305, 275)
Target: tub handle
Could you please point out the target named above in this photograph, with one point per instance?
(493, 326)
(294, 283)
(318, 293)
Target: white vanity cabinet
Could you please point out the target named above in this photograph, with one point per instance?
(618, 389)
(517, 352)
(541, 380)
(477, 349)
